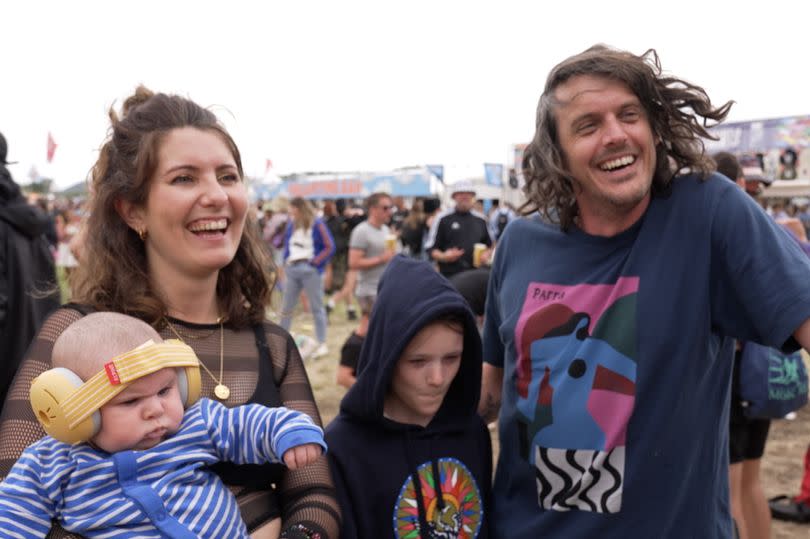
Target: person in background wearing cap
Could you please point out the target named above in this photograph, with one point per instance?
(28, 291)
(452, 238)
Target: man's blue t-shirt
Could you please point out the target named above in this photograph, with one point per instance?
(617, 361)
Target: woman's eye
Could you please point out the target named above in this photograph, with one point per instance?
(229, 178)
(182, 179)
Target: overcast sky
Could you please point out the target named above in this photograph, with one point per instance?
(350, 85)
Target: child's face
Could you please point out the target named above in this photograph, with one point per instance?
(142, 415)
(423, 374)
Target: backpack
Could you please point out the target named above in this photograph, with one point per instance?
(772, 383)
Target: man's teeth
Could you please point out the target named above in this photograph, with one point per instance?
(616, 163)
(219, 224)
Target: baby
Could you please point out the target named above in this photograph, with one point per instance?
(129, 449)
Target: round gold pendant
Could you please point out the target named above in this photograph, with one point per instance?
(222, 392)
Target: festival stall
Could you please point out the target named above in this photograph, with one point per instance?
(411, 182)
(780, 146)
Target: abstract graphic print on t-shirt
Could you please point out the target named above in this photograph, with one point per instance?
(576, 386)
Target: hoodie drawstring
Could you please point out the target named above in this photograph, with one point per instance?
(417, 484)
(437, 480)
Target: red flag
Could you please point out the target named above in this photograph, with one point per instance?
(51, 147)
(268, 165)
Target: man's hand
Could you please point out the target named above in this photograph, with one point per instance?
(452, 254)
(301, 455)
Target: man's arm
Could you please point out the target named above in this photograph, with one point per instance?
(491, 387)
(359, 261)
(436, 245)
(450, 255)
(345, 376)
(802, 334)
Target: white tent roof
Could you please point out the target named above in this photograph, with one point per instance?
(787, 189)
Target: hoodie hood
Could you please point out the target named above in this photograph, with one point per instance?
(27, 219)
(411, 295)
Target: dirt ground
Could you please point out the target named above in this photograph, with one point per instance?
(782, 464)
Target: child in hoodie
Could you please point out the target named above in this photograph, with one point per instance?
(409, 454)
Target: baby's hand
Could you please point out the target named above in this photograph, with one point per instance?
(301, 455)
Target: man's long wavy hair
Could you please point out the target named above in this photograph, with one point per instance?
(678, 113)
(113, 274)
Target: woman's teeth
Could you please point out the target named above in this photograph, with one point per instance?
(208, 226)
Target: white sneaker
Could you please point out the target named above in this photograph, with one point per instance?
(306, 346)
(321, 351)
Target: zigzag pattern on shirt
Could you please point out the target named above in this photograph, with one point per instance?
(579, 479)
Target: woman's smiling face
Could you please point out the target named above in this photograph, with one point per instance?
(196, 207)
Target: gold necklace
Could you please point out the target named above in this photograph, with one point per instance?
(221, 391)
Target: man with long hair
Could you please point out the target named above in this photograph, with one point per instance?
(612, 309)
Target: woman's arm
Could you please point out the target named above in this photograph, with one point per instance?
(327, 242)
(307, 495)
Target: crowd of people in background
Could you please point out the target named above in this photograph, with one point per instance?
(365, 235)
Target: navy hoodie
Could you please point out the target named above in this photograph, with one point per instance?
(374, 459)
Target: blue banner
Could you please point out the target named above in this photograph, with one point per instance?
(493, 173)
(407, 183)
(436, 170)
(761, 135)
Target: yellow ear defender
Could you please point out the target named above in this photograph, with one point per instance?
(67, 408)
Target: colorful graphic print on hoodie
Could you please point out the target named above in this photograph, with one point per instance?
(459, 516)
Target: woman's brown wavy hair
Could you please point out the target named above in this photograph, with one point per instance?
(674, 109)
(113, 271)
